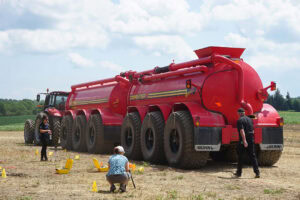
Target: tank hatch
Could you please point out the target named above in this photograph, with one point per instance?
(226, 51)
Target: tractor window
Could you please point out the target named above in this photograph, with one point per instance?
(60, 102)
(51, 100)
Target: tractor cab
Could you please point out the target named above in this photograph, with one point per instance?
(56, 99)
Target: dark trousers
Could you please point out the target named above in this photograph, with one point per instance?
(44, 148)
(251, 154)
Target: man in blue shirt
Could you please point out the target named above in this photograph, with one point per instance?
(118, 169)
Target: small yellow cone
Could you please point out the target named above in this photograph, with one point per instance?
(0, 167)
(141, 169)
(3, 173)
(94, 188)
(65, 150)
(77, 157)
(50, 153)
(36, 152)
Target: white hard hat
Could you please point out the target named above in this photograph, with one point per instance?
(121, 149)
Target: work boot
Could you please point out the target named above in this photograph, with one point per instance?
(257, 175)
(122, 187)
(112, 188)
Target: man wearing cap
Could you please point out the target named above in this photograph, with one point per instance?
(118, 170)
(246, 142)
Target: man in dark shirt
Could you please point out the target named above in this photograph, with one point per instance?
(246, 142)
(44, 135)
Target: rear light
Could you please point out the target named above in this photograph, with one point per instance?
(273, 86)
(189, 84)
(280, 121)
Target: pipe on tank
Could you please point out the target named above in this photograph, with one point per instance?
(175, 73)
(247, 106)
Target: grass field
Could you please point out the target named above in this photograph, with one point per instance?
(14, 123)
(290, 117)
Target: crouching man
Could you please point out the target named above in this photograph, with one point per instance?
(118, 170)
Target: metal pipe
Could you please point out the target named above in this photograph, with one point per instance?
(247, 106)
(200, 61)
(175, 73)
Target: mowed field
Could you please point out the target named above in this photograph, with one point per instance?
(28, 178)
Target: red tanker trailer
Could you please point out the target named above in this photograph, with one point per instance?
(181, 113)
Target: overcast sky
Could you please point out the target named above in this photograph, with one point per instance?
(57, 43)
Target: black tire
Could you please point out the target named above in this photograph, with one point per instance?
(268, 158)
(131, 136)
(78, 134)
(66, 132)
(55, 131)
(152, 137)
(38, 121)
(29, 131)
(231, 154)
(179, 142)
(95, 136)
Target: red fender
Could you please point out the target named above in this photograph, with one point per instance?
(70, 112)
(142, 110)
(85, 112)
(202, 117)
(109, 118)
(164, 108)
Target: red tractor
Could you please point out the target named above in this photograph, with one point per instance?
(182, 113)
(54, 108)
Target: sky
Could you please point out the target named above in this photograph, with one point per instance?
(58, 43)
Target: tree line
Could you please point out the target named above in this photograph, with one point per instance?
(278, 101)
(11, 107)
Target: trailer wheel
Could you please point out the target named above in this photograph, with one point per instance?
(29, 131)
(131, 136)
(78, 134)
(95, 136)
(231, 154)
(66, 132)
(38, 121)
(152, 132)
(55, 131)
(268, 158)
(179, 143)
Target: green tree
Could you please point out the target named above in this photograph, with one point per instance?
(289, 102)
(296, 105)
(2, 109)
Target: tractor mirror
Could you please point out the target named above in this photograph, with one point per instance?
(38, 97)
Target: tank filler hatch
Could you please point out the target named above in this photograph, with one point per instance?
(226, 51)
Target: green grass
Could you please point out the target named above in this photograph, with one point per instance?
(290, 117)
(14, 123)
(274, 192)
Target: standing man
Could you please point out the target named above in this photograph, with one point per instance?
(246, 142)
(44, 135)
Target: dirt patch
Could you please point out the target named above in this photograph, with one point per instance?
(28, 178)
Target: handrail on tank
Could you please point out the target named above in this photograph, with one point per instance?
(171, 67)
(101, 82)
(247, 106)
(201, 68)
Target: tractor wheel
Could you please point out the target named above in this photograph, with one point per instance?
(55, 131)
(231, 154)
(268, 158)
(179, 142)
(152, 135)
(29, 131)
(131, 136)
(78, 134)
(66, 132)
(95, 136)
(38, 121)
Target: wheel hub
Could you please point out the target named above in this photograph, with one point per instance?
(149, 139)
(174, 141)
(128, 137)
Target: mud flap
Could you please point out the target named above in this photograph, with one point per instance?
(207, 138)
(272, 138)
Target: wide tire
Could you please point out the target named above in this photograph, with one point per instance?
(95, 136)
(152, 137)
(231, 154)
(131, 136)
(29, 131)
(66, 132)
(78, 134)
(56, 126)
(179, 142)
(268, 158)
